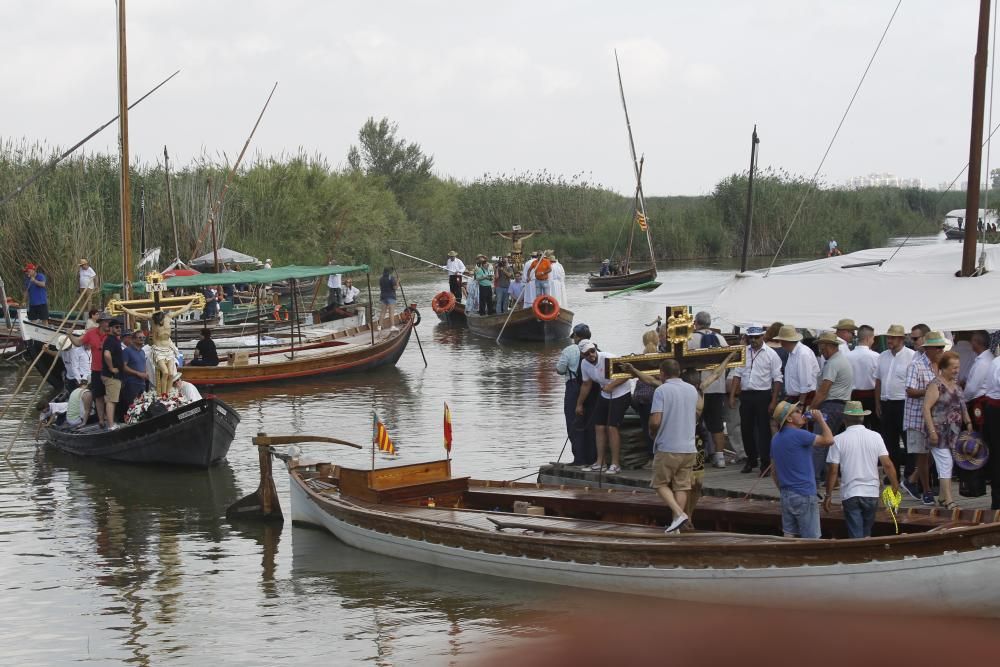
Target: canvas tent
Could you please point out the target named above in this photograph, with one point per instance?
(919, 284)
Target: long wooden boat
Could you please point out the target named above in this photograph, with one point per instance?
(596, 283)
(343, 351)
(614, 541)
(523, 324)
(455, 317)
(197, 434)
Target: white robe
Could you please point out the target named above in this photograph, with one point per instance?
(558, 283)
(529, 285)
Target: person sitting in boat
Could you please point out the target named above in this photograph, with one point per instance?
(187, 391)
(605, 268)
(205, 353)
(79, 405)
(831, 248)
(456, 269)
(854, 457)
(164, 353)
(516, 290)
(483, 276)
(792, 454)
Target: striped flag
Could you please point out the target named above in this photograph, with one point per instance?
(641, 219)
(381, 437)
(447, 428)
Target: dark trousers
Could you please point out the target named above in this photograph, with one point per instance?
(643, 411)
(580, 430)
(755, 426)
(486, 300)
(991, 433)
(893, 433)
(455, 285)
(867, 399)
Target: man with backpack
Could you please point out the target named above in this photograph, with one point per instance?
(715, 395)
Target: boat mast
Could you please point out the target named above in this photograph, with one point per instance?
(126, 196)
(638, 171)
(975, 142)
(170, 204)
(749, 216)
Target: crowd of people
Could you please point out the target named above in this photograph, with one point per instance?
(494, 285)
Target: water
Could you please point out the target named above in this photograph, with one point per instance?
(106, 564)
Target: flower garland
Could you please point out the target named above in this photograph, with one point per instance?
(143, 402)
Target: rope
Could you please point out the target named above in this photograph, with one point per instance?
(833, 138)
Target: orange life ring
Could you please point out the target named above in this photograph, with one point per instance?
(443, 302)
(549, 303)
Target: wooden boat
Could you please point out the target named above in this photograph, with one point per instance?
(346, 350)
(614, 541)
(197, 434)
(455, 317)
(522, 324)
(598, 283)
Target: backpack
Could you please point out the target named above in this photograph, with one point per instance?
(543, 268)
(709, 339)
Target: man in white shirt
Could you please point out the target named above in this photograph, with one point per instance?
(801, 369)
(76, 361)
(890, 392)
(456, 269)
(855, 456)
(188, 392)
(713, 412)
(991, 429)
(758, 383)
(88, 277)
(334, 284)
(616, 396)
(350, 292)
(267, 263)
(977, 376)
(962, 346)
(864, 362)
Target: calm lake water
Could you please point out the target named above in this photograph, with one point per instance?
(109, 564)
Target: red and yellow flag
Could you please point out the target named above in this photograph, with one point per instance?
(381, 437)
(447, 428)
(641, 219)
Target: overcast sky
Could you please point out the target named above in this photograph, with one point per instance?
(511, 86)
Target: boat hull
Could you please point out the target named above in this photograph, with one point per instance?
(523, 325)
(946, 581)
(455, 317)
(198, 434)
(612, 283)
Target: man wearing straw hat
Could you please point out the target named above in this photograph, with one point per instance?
(855, 456)
(801, 368)
(921, 373)
(456, 269)
(792, 450)
(87, 276)
(890, 392)
(835, 384)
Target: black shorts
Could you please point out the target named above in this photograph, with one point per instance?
(611, 411)
(40, 312)
(96, 384)
(713, 411)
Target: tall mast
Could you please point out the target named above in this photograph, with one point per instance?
(749, 216)
(976, 142)
(126, 197)
(635, 166)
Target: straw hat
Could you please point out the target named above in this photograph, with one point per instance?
(781, 412)
(855, 409)
(452, 253)
(935, 339)
(550, 253)
(828, 337)
(845, 323)
(480, 256)
(788, 333)
(970, 452)
(896, 330)
(175, 377)
(84, 262)
(63, 342)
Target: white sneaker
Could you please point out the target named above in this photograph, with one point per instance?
(676, 524)
(613, 469)
(719, 460)
(597, 467)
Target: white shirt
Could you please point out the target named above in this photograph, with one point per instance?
(801, 371)
(857, 451)
(993, 380)
(87, 276)
(455, 266)
(595, 373)
(891, 373)
(334, 281)
(966, 357)
(189, 392)
(694, 343)
(865, 364)
(558, 278)
(975, 385)
(762, 369)
(77, 362)
(267, 265)
(350, 294)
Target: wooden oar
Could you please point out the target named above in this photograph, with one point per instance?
(650, 283)
(501, 525)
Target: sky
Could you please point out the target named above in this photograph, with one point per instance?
(510, 87)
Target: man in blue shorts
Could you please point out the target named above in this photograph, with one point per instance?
(792, 456)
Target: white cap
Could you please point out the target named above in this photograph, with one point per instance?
(586, 345)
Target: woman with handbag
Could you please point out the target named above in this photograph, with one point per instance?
(945, 414)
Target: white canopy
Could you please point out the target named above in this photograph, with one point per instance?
(917, 285)
(225, 255)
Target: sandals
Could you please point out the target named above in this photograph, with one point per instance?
(950, 505)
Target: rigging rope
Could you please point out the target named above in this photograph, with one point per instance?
(834, 137)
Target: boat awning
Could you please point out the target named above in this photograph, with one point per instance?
(918, 285)
(225, 255)
(261, 276)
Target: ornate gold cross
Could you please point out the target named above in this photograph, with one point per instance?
(155, 285)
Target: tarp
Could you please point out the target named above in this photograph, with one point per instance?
(225, 255)
(261, 276)
(918, 285)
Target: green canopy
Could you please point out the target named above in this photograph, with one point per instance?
(261, 276)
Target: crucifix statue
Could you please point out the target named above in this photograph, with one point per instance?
(516, 236)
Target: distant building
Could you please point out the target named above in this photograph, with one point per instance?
(884, 180)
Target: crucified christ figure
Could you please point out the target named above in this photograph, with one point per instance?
(164, 352)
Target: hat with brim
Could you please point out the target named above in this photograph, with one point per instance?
(788, 333)
(970, 452)
(586, 346)
(115, 322)
(480, 256)
(62, 342)
(855, 409)
(935, 339)
(83, 261)
(175, 377)
(845, 323)
(828, 337)
(127, 333)
(895, 331)
(755, 330)
(452, 253)
(781, 412)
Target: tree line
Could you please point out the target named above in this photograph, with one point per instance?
(296, 208)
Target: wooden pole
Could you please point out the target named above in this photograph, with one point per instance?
(126, 195)
(403, 292)
(371, 307)
(291, 323)
(748, 220)
(976, 141)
